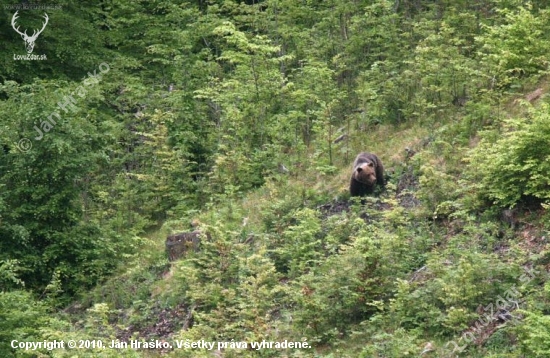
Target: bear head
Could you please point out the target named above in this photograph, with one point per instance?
(365, 173)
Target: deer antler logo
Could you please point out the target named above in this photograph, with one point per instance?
(29, 40)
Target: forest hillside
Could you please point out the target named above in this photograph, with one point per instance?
(174, 178)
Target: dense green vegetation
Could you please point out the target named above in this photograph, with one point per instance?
(243, 117)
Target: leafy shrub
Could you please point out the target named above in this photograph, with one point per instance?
(518, 46)
(21, 318)
(400, 343)
(457, 283)
(534, 334)
(437, 189)
(339, 291)
(96, 324)
(301, 243)
(533, 331)
(516, 164)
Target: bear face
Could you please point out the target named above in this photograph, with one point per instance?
(368, 171)
(365, 173)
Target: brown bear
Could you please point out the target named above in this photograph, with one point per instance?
(367, 172)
